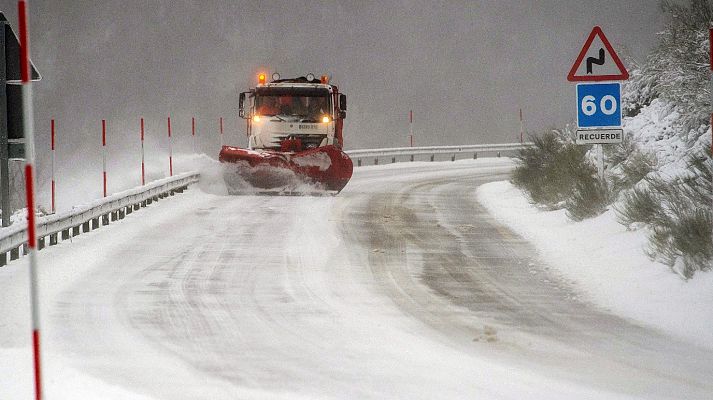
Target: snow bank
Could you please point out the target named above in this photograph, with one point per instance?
(608, 264)
(63, 383)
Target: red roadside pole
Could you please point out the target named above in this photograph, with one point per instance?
(222, 142)
(410, 126)
(522, 128)
(29, 133)
(193, 133)
(170, 149)
(104, 154)
(54, 209)
(143, 165)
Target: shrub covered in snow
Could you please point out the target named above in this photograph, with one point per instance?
(555, 172)
(679, 215)
(668, 102)
(677, 70)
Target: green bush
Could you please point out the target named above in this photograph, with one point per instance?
(551, 170)
(679, 215)
(590, 198)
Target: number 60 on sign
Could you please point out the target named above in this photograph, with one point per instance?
(598, 105)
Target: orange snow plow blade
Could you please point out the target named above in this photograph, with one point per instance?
(323, 169)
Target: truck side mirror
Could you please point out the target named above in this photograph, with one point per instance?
(343, 102)
(241, 101)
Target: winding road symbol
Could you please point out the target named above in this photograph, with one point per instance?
(598, 61)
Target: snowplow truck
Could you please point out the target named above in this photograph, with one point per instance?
(295, 139)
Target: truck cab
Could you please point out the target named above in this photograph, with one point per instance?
(293, 114)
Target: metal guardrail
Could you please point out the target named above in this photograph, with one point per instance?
(81, 219)
(432, 151)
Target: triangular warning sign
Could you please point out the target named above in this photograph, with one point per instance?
(597, 61)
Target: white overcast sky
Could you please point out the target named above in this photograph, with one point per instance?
(464, 67)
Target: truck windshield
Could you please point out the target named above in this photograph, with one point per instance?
(308, 107)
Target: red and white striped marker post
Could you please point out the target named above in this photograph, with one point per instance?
(710, 50)
(143, 165)
(170, 149)
(28, 127)
(193, 133)
(54, 209)
(222, 143)
(104, 154)
(522, 128)
(410, 126)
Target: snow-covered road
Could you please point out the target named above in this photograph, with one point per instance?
(400, 287)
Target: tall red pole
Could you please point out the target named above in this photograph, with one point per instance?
(143, 165)
(104, 154)
(222, 143)
(29, 133)
(410, 125)
(170, 149)
(54, 209)
(193, 133)
(522, 128)
(710, 51)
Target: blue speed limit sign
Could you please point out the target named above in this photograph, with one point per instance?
(598, 105)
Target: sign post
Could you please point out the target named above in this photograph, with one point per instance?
(11, 111)
(598, 96)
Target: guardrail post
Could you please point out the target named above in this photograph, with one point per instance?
(25, 249)
(411, 157)
(40, 243)
(76, 231)
(105, 219)
(376, 161)
(432, 157)
(53, 239)
(95, 223)
(393, 160)
(498, 154)
(3, 259)
(358, 162)
(65, 234)
(121, 214)
(475, 156)
(129, 209)
(453, 158)
(14, 253)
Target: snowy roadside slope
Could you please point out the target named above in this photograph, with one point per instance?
(608, 263)
(656, 131)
